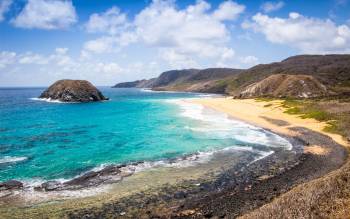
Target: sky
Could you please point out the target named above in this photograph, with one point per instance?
(111, 41)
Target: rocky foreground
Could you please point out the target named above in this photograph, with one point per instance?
(73, 91)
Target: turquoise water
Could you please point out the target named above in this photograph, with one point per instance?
(43, 140)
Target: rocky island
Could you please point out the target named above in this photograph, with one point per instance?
(73, 91)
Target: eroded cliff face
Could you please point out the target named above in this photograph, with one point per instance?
(73, 91)
(282, 85)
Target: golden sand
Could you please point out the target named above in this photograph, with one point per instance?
(269, 115)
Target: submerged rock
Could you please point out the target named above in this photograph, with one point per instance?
(73, 91)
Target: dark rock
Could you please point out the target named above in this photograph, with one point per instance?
(73, 91)
(109, 170)
(11, 184)
(82, 180)
(180, 194)
(51, 185)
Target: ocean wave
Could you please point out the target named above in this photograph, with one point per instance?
(221, 126)
(9, 159)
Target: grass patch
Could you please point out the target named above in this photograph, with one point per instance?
(293, 110)
(332, 127)
(338, 123)
(318, 115)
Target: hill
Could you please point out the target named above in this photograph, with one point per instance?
(302, 76)
(194, 80)
(333, 71)
(282, 85)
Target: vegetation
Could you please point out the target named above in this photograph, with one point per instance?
(337, 117)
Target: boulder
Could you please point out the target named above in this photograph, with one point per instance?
(73, 91)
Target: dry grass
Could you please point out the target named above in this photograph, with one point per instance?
(326, 197)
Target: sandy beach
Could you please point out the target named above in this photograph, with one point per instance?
(269, 115)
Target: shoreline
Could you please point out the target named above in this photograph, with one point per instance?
(235, 190)
(268, 115)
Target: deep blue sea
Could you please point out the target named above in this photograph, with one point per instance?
(45, 140)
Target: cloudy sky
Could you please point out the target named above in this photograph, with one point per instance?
(111, 41)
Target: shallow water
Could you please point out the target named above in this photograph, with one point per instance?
(43, 140)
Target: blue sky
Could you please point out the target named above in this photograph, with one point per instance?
(111, 41)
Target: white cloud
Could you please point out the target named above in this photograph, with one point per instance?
(109, 68)
(228, 10)
(268, 7)
(100, 45)
(180, 35)
(30, 58)
(4, 7)
(310, 35)
(7, 58)
(249, 60)
(46, 14)
(177, 60)
(193, 32)
(112, 22)
(230, 60)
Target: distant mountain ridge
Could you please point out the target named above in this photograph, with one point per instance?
(301, 76)
(194, 80)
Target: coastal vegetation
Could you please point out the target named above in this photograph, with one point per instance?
(335, 112)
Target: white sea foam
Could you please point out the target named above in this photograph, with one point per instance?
(157, 91)
(49, 100)
(221, 126)
(9, 159)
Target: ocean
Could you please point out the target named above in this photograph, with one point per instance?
(42, 140)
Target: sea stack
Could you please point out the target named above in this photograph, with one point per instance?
(73, 91)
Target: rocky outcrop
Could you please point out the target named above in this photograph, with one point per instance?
(282, 85)
(11, 184)
(73, 91)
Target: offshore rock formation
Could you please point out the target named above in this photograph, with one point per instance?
(73, 91)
